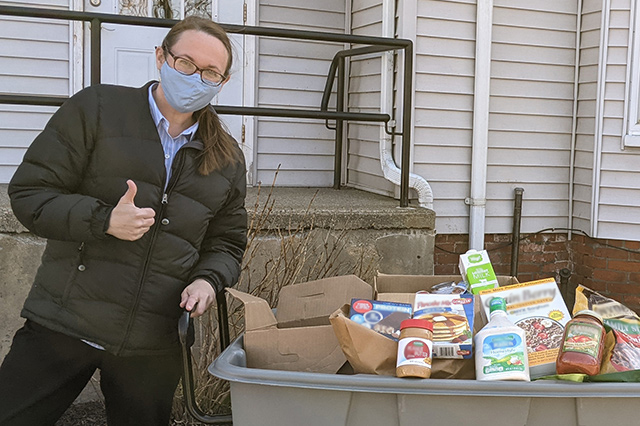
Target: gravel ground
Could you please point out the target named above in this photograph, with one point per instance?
(85, 414)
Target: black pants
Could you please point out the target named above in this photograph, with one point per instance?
(45, 371)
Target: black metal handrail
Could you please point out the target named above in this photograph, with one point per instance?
(376, 44)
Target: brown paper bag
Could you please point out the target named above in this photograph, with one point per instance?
(370, 352)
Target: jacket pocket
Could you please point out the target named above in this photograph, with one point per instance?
(78, 267)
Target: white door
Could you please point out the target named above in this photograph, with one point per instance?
(128, 51)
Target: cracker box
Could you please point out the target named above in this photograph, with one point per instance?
(538, 308)
(383, 317)
(452, 317)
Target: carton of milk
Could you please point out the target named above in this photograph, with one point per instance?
(477, 271)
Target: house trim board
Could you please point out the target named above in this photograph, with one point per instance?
(599, 116)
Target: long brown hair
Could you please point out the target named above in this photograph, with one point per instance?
(220, 149)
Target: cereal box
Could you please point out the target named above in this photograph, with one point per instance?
(538, 308)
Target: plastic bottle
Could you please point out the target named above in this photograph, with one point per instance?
(501, 350)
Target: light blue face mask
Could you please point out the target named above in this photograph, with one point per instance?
(186, 93)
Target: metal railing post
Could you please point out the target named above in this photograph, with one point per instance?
(406, 125)
(96, 50)
(337, 162)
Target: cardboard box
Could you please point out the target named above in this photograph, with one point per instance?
(538, 308)
(299, 337)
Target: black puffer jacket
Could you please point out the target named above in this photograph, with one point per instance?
(122, 295)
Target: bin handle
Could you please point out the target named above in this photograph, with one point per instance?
(187, 365)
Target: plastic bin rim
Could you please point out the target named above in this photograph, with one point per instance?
(230, 366)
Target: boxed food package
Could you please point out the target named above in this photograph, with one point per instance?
(369, 352)
(382, 317)
(538, 308)
(452, 316)
(299, 336)
(477, 271)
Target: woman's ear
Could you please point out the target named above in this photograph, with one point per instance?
(160, 57)
(225, 81)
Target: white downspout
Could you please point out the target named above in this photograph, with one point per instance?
(574, 119)
(390, 170)
(477, 200)
(599, 116)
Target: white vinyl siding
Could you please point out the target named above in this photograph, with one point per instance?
(34, 60)
(363, 168)
(531, 101)
(443, 114)
(292, 74)
(531, 106)
(618, 215)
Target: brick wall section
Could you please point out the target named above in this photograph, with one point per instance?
(593, 263)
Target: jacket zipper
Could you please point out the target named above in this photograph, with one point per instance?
(147, 260)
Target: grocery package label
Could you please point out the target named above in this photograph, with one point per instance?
(452, 317)
(477, 271)
(503, 353)
(624, 324)
(538, 308)
(414, 351)
(382, 317)
(583, 338)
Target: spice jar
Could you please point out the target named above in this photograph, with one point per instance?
(582, 344)
(414, 348)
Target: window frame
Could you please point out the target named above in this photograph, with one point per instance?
(631, 130)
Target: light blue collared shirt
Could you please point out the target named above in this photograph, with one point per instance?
(170, 145)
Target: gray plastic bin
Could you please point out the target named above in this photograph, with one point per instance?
(283, 398)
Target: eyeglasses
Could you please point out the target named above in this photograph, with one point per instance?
(186, 67)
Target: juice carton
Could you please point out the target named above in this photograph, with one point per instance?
(477, 271)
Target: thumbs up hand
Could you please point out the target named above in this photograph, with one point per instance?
(128, 222)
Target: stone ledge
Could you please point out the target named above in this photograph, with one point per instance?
(329, 208)
(304, 207)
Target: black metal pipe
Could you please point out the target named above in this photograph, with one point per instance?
(221, 109)
(236, 29)
(406, 125)
(565, 274)
(337, 158)
(32, 100)
(96, 50)
(326, 94)
(515, 234)
(301, 113)
(223, 320)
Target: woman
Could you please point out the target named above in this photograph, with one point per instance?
(140, 194)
